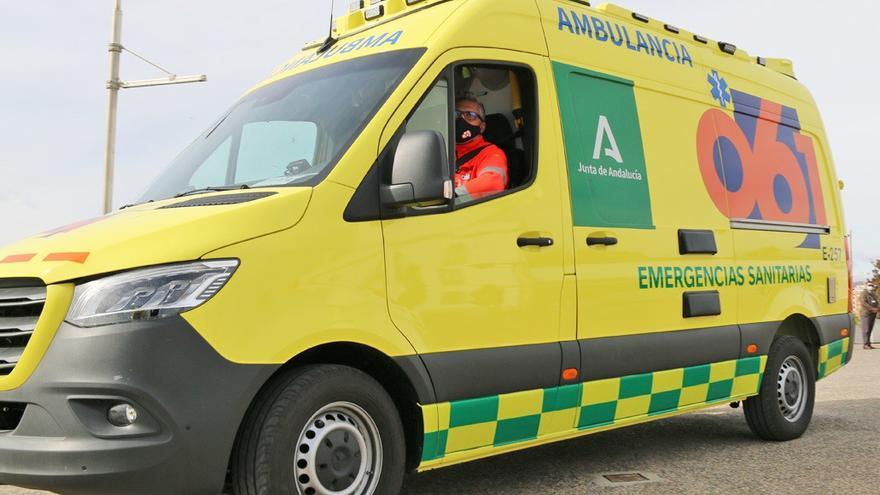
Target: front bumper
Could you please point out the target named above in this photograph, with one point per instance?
(190, 402)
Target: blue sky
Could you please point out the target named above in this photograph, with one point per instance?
(53, 55)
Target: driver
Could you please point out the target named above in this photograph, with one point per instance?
(481, 167)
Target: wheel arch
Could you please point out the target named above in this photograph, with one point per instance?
(804, 329)
(404, 378)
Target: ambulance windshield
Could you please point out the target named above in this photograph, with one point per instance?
(289, 133)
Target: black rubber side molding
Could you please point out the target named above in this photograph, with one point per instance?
(696, 242)
(610, 357)
(702, 303)
(473, 373)
(459, 375)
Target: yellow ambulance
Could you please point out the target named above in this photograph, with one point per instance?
(304, 302)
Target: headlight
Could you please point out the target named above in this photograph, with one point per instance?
(148, 294)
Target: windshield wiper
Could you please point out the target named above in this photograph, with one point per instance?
(212, 189)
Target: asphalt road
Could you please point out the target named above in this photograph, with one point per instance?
(705, 452)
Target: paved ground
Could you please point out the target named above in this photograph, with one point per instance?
(699, 453)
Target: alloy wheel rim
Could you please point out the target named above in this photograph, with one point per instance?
(339, 452)
(791, 390)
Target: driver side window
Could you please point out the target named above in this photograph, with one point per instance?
(490, 124)
(433, 112)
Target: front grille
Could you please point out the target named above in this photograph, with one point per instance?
(20, 309)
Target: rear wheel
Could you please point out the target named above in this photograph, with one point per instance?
(784, 407)
(321, 430)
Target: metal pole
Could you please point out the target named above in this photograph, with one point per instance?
(163, 82)
(113, 85)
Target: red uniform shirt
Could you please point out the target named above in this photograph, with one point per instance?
(485, 173)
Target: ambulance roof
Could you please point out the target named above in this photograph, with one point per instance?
(364, 14)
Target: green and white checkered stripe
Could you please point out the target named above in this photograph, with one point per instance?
(502, 420)
(832, 356)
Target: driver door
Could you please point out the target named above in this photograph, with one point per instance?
(483, 312)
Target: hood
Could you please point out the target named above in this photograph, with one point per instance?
(169, 231)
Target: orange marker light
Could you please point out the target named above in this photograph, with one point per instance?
(75, 257)
(570, 374)
(752, 348)
(844, 332)
(18, 258)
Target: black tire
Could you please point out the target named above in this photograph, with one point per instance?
(775, 413)
(268, 454)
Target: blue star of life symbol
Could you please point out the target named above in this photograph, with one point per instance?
(720, 89)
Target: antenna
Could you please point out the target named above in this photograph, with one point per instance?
(332, 6)
(330, 41)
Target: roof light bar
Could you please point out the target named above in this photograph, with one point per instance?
(374, 12)
(413, 2)
(728, 48)
(355, 6)
(762, 61)
(671, 28)
(640, 17)
(582, 2)
(701, 39)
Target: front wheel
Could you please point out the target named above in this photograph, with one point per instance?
(784, 407)
(321, 430)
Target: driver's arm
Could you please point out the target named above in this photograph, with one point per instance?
(490, 176)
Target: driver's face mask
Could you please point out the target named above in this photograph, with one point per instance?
(467, 126)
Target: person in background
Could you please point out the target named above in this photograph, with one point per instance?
(868, 316)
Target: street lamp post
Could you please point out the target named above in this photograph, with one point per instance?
(114, 84)
(112, 101)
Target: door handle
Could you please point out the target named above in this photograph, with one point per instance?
(534, 241)
(601, 241)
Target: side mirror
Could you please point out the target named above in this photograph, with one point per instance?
(419, 173)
